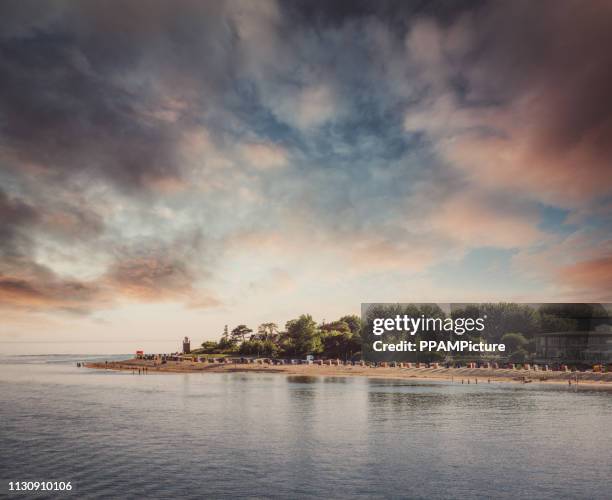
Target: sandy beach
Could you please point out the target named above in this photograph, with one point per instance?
(457, 375)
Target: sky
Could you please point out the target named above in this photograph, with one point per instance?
(170, 167)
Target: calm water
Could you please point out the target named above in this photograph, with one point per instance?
(216, 435)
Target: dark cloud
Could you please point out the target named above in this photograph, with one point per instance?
(558, 53)
(87, 91)
(107, 109)
(15, 214)
(396, 14)
(44, 292)
(148, 270)
(515, 95)
(21, 222)
(64, 118)
(25, 284)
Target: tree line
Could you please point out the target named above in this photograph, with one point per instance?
(348, 338)
(301, 336)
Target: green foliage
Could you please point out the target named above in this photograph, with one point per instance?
(259, 348)
(512, 324)
(336, 326)
(303, 336)
(339, 344)
(209, 347)
(227, 344)
(354, 323)
(240, 333)
(267, 331)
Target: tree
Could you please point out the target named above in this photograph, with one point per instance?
(227, 344)
(270, 349)
(240, 333)
(341, 338)
(267, 331)
(251, 347)
(302, 336)
(335, 326)
(209, 346)
(338, 344)
(354, 323)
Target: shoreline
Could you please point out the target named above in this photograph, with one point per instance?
(455, 375)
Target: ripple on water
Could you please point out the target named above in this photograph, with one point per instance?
(220, 435)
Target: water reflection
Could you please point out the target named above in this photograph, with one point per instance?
(302, 379)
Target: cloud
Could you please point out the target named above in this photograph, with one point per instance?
(25, 284)
(86, 94)
(150, 277)
(15, 213)
(287, 143)
(204, 301)
(265, 156)
(148, 271)
(589, 278)
(144, 277)
(45, 291)
(514, 107)
(477, 221)
(306, 107)
(573, 267)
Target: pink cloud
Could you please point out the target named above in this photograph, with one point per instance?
(474, 221)
(591, 278)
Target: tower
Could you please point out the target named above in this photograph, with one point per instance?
(186, 345)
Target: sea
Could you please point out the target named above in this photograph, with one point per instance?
(121, 435)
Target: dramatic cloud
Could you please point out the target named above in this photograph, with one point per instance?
(23, 282)
(523, 104)
(222, 154)
(43, 290)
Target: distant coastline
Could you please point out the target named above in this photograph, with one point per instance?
(456, 375)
